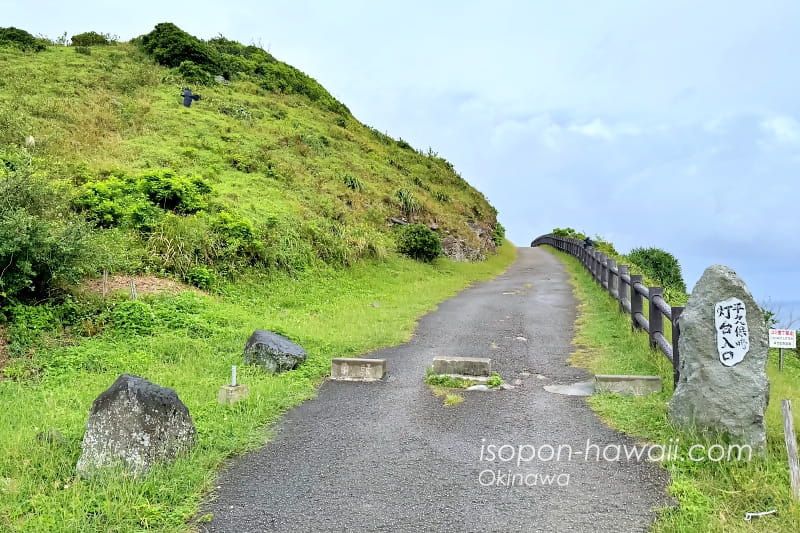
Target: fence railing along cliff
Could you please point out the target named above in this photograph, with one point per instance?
(630, 292)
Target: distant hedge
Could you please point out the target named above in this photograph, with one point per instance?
(90, 38)
(199, 61)
(21, 39)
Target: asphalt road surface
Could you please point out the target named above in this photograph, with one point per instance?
(388, 456)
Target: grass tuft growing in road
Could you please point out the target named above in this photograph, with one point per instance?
(710, 495)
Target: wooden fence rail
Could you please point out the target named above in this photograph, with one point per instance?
(630, 292)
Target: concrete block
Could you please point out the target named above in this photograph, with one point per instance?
(635, 385)
(232, 393)
(467, 366)
(355, 369)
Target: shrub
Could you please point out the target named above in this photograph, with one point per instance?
(170, 46)
(21, 39)
(201, 277)
(568, 233)
(133, 316)
(176, 193)
(442, 197)
(90, 38)
(498, 234)
(41, 243)
(660, 266)
(419, 242)
(85, 50)
(194, 73)
(494, 380)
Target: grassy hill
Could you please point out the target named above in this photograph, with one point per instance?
(266, 193)
(287, 175)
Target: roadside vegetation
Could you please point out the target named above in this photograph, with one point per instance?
(710, 496)
(265, 205)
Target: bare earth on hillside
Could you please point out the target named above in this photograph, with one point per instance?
(144, 285)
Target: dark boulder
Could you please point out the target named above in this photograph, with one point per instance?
(272, 352)
(134, 424)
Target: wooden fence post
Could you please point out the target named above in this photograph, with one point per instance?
(636, 300)
(791, 447)
(656, 319)
(603, 271)
(623, 288)
(613, 286)
(676, 337)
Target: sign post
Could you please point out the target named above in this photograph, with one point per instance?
(782, 338)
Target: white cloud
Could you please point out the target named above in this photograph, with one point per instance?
(783, 129)
(596, 128)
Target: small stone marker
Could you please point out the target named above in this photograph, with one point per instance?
(354, 369)
(464, 366)
(135, 423)
(635, 385)
(723, 386)
(272, 352)
(234, 392)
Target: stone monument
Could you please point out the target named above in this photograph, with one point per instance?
(723, 387)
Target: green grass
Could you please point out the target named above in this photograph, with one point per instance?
(711, 496)
(309, 179)
(190, 348)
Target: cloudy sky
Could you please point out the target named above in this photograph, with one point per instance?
(668, 123)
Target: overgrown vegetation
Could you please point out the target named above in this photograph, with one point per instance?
(22, 40)
(187, 342)
(42, 243)
(658, 268)
(92, 38)
(200, 61)
(711, 496)
(443, 380)
(266, 192)
(419, 242)
(659, 265)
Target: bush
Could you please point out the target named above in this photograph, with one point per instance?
(568, 233)
(84, 50)
(191, 72)
(138, 202)
(660, 266)
(133, 316)
(41, 243)
(170, 46)
(419, 242)
(176, 193)
(90, 38)
(498, 234)
(201, 277)
(21, 39)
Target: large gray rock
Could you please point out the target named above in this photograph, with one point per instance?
(134, 424)
(272, 352)
(723, 386)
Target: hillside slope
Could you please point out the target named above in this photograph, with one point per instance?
(287, 176)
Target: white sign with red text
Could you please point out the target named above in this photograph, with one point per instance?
(782, 338)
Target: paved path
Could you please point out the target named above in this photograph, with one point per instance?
(389, 457)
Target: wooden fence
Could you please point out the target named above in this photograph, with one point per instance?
(629, 291)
